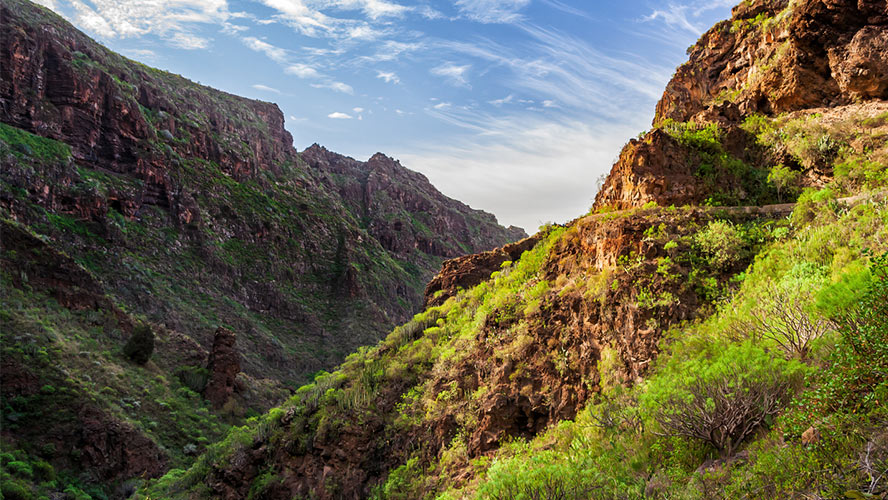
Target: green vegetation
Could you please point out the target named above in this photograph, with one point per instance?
(140, 345)
(23, 144)
(728, 179)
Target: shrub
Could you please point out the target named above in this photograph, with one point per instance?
(723, 399)
(784, 179)
(722, 243)
(782, 316)
(14, 490)
(140, 345)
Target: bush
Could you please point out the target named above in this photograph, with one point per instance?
(140, 345)
(784, 179)
(722, 243)
(14, 490)
(722, 399)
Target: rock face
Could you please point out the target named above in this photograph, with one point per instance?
(402, 210)
(771, 57)
(169, 189)
(465, 272)
(223, 365)
(779, 57)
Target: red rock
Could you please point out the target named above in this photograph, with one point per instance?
(224, 365)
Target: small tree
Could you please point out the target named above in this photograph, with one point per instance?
(723, 399)
(784, 179)
(784, 319)
(140, 345)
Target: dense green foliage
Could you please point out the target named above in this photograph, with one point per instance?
(140, 345)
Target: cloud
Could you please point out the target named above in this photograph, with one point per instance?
(175, 21)
(388, 77)
(339, 116)
(453, 74)
(554, 66)
(442, 106)
(492, 11)
(526, 170)
(358, 110)
(686, 17)
(504, 100)
(276, 54)
(548, 103)
(392, 50)
(266, 88)
(302, 71)
(374, 9)
(567, 9)
(336, 86)
(308, 18)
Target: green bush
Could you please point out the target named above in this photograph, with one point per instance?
(140, 345)
(14, 490)
(722, 243)
(721, 396)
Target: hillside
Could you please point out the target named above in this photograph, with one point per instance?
(714, 328)
(131, 197)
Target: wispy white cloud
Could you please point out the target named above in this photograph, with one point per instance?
(358, 110)
(302, 71)
(503, 161)
(266, 88)
(335, 86)
(686, 16)
(569, 71)
(339, 116)
(453, 74)
(175, 21)
(492, 11)
(504, 100)
(567, 9)
(442, 106)
(276, 54)
(389, 77)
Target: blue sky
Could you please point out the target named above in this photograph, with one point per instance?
(516, 107)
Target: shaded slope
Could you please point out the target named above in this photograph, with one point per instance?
(192, 208)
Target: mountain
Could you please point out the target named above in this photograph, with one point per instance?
(714, 328)
(131, 197)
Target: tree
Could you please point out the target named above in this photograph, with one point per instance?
(784, 179)
(140, 345)
(784, 319)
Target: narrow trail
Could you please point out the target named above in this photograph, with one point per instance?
(777, 209)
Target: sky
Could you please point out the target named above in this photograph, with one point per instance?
(516, 107)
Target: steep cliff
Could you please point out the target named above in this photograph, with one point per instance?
(773, 57)
(617, 356)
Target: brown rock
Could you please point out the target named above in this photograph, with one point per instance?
(466, 272)
(810, 436)
(224, 365)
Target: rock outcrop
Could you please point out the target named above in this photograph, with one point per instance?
(465, 272)
(776, 56)
(771, 57)
(403, 211)
(223, 365)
